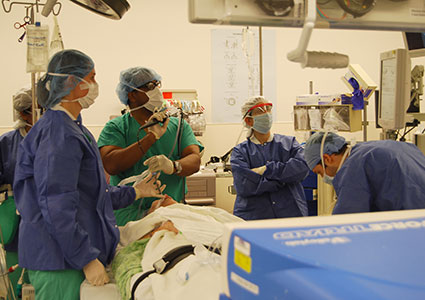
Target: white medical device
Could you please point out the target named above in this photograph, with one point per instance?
(365, 15)
(394, 92)
(368, 14)
(353, 256)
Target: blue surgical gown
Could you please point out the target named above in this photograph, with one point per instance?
(61, 192)
(9, 143)
(381, 176)
(277, 193)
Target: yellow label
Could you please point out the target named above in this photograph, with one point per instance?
(242, 261)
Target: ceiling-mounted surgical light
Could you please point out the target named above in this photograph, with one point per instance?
(113, 9)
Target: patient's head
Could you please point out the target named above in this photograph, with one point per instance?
(167, 225)
(167, 200)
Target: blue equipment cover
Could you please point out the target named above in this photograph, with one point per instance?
(382, 259)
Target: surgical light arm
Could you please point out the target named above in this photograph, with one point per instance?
(315, 59)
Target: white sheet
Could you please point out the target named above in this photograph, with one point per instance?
(107, 292)
(195, 277)
(198, 226)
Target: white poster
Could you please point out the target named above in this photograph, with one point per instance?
(235, 70)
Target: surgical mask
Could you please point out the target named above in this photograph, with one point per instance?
(155, 100)
(263, 123)
(89, 98)
(326, 178)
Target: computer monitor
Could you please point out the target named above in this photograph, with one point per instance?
(415, 43)
(394, 92)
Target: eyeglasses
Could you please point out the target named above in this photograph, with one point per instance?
(263, 107)
(151, 85)
(260, 110)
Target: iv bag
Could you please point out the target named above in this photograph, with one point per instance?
(37, 48)
(56, 44)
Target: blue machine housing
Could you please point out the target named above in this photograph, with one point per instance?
(376, 259)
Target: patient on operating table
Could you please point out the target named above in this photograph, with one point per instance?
(167, 227)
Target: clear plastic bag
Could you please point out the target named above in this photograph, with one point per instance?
(301, 118)
(333, 121)
(315, 119)
(197, 123)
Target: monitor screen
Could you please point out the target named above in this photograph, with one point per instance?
(415, 43)
(388, 86)
(415, 40)
(394, 94)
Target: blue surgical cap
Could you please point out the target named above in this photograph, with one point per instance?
(52, 88)
(333, 143)
(134, 78)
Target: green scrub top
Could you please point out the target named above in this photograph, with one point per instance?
(122, 132)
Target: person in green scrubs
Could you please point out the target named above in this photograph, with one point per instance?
(127, 151)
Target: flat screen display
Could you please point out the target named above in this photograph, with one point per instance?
(388, 88)
(415, 40)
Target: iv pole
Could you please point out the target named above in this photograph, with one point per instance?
(260, 54)
(29, 7)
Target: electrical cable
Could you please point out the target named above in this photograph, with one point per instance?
(402, 139)
(176, 141)
(324, 16)
(179, 135)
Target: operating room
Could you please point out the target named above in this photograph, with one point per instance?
(160, 36)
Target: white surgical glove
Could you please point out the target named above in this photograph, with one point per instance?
(259, 170)
(95, 273)
(160, 163)
(157, 129)
(149, 187)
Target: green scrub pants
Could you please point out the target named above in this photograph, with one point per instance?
(60, 284)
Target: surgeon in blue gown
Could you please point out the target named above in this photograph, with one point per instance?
(9, 142)
(267, 168)
(370, 176)
(68, 230)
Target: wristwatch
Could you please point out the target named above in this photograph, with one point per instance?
(177, 167)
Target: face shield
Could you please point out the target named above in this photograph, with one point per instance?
(264, 107)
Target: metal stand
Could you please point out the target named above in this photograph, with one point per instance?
(260, 56)
(29, 9)
(365, 122)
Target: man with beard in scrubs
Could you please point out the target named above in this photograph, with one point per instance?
(127, 150)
